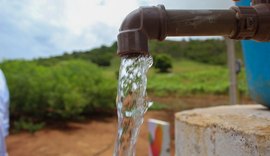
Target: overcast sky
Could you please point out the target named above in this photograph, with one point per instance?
(41, 28)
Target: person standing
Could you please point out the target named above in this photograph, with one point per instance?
(4, 113)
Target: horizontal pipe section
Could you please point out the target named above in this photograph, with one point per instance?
(157, 23)
(200, 22)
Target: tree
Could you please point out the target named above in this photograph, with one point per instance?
(163, 62)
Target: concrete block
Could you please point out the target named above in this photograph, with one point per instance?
(239, 130)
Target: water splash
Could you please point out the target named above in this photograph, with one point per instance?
(131, 102)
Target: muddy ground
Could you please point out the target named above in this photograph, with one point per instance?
(95, 136)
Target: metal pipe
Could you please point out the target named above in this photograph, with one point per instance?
(157, 23)
(201, 22)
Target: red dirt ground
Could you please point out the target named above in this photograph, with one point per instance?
(95, 136)
(91, 138)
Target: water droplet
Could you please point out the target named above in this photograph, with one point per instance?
(150, 103)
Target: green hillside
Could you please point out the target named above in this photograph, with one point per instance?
(206, 51)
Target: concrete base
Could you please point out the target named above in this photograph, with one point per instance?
(241, 130)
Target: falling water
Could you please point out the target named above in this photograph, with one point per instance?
(131, 102)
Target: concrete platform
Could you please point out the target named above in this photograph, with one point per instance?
(240, 130)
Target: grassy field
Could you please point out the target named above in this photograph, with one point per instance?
(187, 78)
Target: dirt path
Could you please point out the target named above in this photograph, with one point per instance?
(91, 138)
(95, 137)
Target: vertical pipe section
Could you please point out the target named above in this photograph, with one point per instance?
(232, 71)
(201, 22)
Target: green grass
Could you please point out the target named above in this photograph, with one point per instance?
(189, 77)
(24, 125)
(158, 106)
(186, 78)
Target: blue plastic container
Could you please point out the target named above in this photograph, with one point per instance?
(257, 62)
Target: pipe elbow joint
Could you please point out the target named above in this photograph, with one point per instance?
(138, 27)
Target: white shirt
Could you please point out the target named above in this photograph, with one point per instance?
(4, 113)
(4, 105)
(3, 151)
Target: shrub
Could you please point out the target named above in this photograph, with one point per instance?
(162, 62)
(24, 125)
(62, 91)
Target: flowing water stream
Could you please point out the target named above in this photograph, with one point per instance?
(131, 102)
